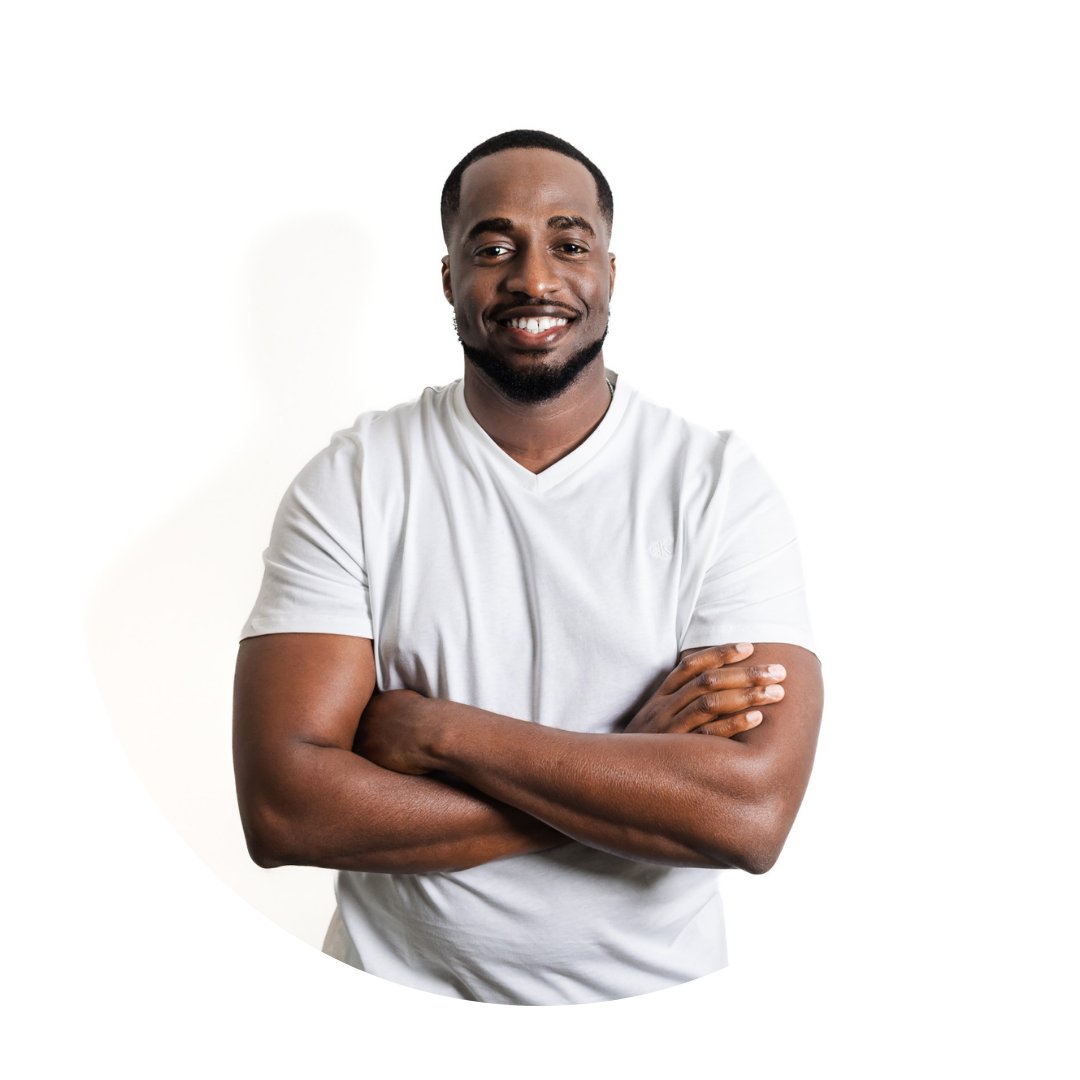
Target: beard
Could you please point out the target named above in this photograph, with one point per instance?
(536, 383)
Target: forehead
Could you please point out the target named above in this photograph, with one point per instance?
(525, 185)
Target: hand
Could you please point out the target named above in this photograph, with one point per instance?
(391, 732)
(708, 695)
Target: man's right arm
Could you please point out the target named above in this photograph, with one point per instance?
(305, 797)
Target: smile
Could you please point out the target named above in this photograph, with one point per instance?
(534, 326)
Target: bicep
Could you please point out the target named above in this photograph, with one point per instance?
(782, 746)
(306, 798)
(296, 690)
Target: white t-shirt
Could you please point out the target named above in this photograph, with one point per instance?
(562, 598)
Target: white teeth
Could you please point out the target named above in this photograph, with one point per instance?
(536, 326)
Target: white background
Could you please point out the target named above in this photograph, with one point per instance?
(849, 231)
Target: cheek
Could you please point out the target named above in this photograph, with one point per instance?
(471, 299)
(467, 309)
(469, 315)
(595, 294)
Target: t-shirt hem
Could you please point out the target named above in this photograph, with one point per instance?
(731, 633)
(318, 624)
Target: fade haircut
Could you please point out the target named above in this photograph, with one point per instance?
(521, 139)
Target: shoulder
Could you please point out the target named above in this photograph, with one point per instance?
(433, 404)
(665, 425)
(383, 436)
(697, 452)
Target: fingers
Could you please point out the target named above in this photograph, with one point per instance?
(731, 725)
(714, 704)
(695, 663)
(718, 680)
(734, 678)
(707, 685)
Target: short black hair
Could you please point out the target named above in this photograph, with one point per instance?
(521, 139)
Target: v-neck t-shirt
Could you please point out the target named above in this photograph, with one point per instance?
(562, 598)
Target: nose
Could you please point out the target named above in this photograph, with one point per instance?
(534, 273)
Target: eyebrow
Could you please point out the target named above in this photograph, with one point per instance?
(561, 221)
(505, 225)
(491, 224)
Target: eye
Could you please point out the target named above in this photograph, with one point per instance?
(493, 251)
(573, 249)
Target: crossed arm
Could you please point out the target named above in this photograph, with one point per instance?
(330, 774)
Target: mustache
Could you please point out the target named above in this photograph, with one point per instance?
(573, 312)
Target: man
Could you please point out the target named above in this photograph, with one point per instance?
(486, 676)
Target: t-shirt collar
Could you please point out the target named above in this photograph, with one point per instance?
(565, 466)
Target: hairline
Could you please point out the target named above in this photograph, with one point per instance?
(606, 216)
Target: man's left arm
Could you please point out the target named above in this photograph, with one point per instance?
(678, 799)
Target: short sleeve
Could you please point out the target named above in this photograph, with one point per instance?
(753, 588)
(314, 580)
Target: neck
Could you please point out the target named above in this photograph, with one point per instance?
(539, 434)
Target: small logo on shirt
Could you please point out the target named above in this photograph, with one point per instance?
(660, 549)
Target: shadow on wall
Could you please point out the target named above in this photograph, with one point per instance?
(162, 627)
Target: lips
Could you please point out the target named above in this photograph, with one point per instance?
(533, 327)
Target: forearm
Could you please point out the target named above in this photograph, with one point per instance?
(334, 809)
(685, 800)
(306, 799)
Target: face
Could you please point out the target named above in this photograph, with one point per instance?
(528, 271)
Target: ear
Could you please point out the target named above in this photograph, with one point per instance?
(447, 288)
(611, 274)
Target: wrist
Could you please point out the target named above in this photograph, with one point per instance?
(437, 724)
(427, 716)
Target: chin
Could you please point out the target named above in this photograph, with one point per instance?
(534, 382)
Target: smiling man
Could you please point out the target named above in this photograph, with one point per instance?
(531, 663)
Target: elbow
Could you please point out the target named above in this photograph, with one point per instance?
(264, 856)
(756, 857)
(760, 860)
(753, 842)
(269, 839)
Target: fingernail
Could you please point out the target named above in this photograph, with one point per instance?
(774, 691)
(753, 718)
(744, 646)
(777, 671)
